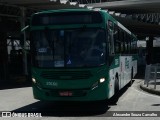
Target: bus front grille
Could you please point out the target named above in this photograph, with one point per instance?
(66, 75)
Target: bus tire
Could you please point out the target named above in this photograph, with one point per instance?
(114, 99)
(131, 82)
(116, 86)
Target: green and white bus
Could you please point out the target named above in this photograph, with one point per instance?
(80, 55)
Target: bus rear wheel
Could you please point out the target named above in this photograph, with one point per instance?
(131, 82)
(116, 86)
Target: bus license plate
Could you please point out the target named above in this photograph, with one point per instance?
(66, 93)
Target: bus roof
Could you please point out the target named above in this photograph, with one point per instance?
(62, 10)
(79, 10)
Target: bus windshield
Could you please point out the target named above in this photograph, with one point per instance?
(84, 47)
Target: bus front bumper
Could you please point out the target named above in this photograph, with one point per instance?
(94, 94)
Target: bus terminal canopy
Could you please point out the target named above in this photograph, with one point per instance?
(43, 4)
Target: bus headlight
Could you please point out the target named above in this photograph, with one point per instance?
(33, 80)
(101, 80)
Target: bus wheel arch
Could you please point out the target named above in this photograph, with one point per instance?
(116, 84)
(131, 81)
(132, 73)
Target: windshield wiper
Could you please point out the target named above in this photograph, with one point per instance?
(47, 35)
(49, 40)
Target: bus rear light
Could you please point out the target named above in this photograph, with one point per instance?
(101, 80)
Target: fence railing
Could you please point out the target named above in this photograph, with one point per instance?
(152, 73)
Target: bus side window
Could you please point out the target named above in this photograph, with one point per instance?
(110, 37)
(124, 42)
(133, 46)
(121, 36)
(117, 42)
(129, 44)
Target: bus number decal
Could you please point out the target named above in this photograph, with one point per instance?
(126, 63)
(52, 83)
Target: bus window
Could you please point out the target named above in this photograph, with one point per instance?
(133, 46)
(127, 44)
(117, 42)
(110, 38)
(121, 36)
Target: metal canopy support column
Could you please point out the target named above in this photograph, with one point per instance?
(3, 57)
(23, 38)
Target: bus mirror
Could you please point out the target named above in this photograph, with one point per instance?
(25, 28)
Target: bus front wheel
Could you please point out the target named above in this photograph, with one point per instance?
(114, 99)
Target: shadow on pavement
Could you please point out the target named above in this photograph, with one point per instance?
(67, 109)
(155, 104)
(113, 100)
(140, 72)
(71, 109)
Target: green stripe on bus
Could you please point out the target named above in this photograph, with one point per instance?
(134, 57)
(116, 62)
